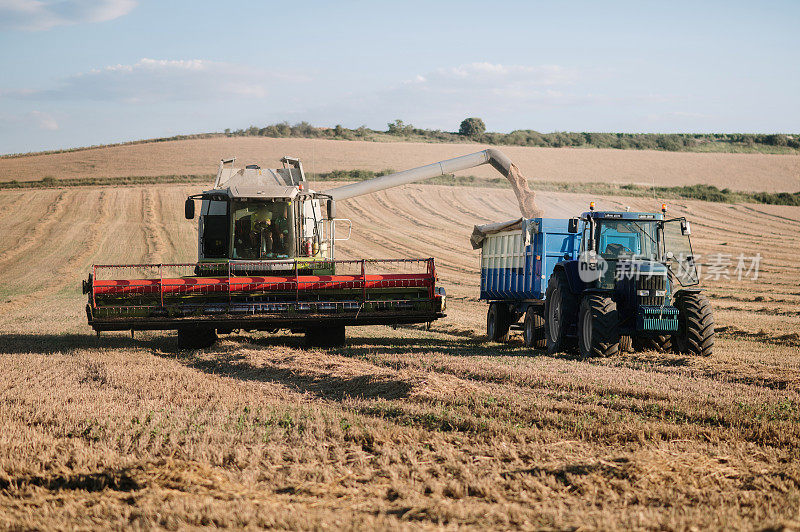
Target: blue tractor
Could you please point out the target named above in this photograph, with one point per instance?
(603, 282)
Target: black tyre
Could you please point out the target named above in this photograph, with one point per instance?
(533, 329)
(598, 326)
(661, 343)
(560, 311)
(695, 325)
(196, 337)
(497, 323)
(331, 336)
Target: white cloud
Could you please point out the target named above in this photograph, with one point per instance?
(157, 80)
(43, 120)
(38, 15)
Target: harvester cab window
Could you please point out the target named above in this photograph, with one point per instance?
(263, 230)
(678, 253)
(215, 229)
(627, 239)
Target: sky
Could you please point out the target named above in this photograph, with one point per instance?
(86, 72)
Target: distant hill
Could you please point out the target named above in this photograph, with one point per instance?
(197, 157)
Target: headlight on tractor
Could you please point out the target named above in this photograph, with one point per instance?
(646, 293)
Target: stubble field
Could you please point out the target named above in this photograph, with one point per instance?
(401, 428)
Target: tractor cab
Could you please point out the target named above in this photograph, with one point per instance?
(615, 245)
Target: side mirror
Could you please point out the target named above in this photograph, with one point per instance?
(572, 227)
(188, 209)
(686, 229)
(331, 209)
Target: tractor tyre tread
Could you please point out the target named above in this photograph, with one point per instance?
(695, 325)
(662, 343)
(605, 338)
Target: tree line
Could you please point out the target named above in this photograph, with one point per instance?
(473, 129)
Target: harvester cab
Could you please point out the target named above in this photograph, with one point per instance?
(257, 214)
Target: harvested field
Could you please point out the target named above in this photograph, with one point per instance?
(402, 428)
(746, 172)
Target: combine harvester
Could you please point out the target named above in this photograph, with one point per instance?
(607, 281)
(266, 262)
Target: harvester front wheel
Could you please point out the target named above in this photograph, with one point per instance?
(695, 325)
(331, 336)
(497, 323)
(598, 326)
(560, 309)
(196, 337)
(533, 329)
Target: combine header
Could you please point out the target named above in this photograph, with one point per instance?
(266, 262)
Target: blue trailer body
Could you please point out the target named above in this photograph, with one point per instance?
(516, 266)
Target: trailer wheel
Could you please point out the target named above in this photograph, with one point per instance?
(331, 336)
(533, 329)
(598, 326)
(497, 323)
(695, 325)
(661, 343)
(196, 337)
(560, 310)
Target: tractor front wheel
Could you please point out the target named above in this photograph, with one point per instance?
(661, 343)
(695, 325)
(598, 326)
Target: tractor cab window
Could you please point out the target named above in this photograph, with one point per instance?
(627, 239)
(263, 230)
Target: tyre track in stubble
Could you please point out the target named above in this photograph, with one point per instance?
(55, 211)
(6, 208)
(154, 230)
(379, 234)
(68, 268)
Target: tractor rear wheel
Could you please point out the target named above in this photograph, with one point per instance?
(196, 337)
(533, 329)
(661, 343)
(695, 325)
(560, 311)
(330, 336)
(497, 323)
(598, 326)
